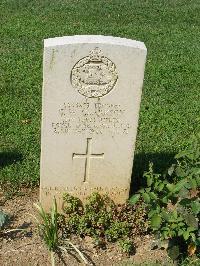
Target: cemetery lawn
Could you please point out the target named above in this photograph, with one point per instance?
(170, 111)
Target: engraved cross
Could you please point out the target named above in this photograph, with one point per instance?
(87, 156)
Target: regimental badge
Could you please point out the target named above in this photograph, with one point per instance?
(95, 75)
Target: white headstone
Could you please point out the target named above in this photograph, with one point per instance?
(92, 88)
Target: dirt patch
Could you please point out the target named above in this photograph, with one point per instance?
(26, 248)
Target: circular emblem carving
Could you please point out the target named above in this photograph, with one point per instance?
(95, 75)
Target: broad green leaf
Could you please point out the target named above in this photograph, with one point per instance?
(165, 215)
(156, 221)
(173, 233)
(141, 190)
(146, 197)
(170, 187)
(155, 186)
(186, 235)
(180, 172)
(149, 181)
(191, 229)
(165, 200)
(180, 185)
(187, 186)
(173, 225)
(153, 195)
(193, 236)
(165, 228)
(193, 183)
(183, 193)
(175, 214)
(180, 232)
(160, 187)
(134, 199)
(179, 219)
(165, 234)
(152, 212)
(195, 205)
(191, 220)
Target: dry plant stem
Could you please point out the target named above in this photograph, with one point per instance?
(77, 250)
(14, 230)
(52, 258)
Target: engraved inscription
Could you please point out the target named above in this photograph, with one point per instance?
(95, 75)
(118, 194)
(87, 190)
(91, 118)
(87, 156)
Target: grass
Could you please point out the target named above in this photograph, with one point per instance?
(48, 230)
(170, 110)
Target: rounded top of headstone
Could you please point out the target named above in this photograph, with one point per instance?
(98, 39)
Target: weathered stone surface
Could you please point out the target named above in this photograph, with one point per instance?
(91, 96)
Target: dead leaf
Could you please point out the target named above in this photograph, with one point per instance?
(191, 249)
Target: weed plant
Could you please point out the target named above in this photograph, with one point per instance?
(48, 230)
(104, 221)
(4, 218)
(174, 206)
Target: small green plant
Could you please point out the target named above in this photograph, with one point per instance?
(4, 218)
(48, 230)
(126, 245)
(174, 207)
(102, 220)
(117, 230)
(71, 204)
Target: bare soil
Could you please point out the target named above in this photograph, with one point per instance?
(26, 248)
